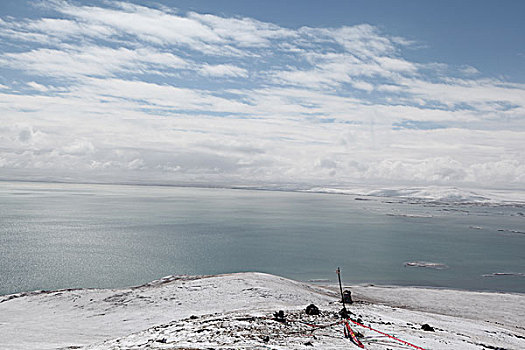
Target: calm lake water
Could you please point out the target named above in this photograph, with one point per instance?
(68, 236)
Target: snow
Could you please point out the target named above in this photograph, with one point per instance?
(434, 193)
(235, 311)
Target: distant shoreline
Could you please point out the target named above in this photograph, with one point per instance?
(323, 283)
(458, 195)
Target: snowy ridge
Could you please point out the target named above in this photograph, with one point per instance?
(235, 311)
(433, 193)
(54, 319)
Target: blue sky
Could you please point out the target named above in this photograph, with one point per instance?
(487, 34)
(244, 92)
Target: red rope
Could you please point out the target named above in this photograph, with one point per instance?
(352, 336)
(388, 335)
(347, 325)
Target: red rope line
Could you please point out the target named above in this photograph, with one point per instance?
(388, 335)
(347, 325)
(352, 335)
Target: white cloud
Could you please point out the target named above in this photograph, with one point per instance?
(245, 32)
(223, 70)
(79, 147)
(36, 86)
(469, 70)
(477, 93)
(121, 91)
(363, 85)
(396, 64)
(92, 61)
(362, 40)
(148, 24)
(65, 28)
(136, 164)
(390, 88)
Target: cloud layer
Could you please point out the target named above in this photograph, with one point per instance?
(123, 92)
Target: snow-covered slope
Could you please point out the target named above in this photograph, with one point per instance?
(47, 320)
(497, 308)
(235, 311)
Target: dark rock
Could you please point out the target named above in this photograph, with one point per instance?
(266, 339)
(279, 316)
(427, 328)
(309, 343)
(347, 297)
(312, 310)
(193, 317)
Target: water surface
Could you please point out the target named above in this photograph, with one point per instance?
(68, 236)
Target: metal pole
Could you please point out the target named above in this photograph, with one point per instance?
(341, 287)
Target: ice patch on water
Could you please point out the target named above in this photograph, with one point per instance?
(430, 265)
(496, 274)
(420, 216)
(510, 231)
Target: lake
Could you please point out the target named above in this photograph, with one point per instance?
(106, 236)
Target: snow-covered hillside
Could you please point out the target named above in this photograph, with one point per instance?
(434, 194)
(235, 311)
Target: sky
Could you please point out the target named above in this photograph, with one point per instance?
(242, 93)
